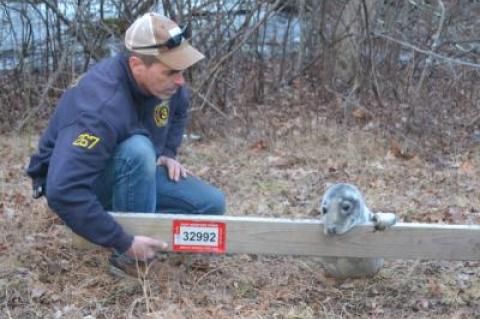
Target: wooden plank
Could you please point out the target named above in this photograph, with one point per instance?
(280, 236)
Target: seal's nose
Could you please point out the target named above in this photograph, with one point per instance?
(332, 230)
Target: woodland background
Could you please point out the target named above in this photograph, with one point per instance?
(405, 68)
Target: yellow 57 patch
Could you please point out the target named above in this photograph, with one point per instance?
(86, 140)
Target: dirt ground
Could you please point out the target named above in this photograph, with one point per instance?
(42, 276)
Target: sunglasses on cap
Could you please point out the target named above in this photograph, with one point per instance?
(171, 43)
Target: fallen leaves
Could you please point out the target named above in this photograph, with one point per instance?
(435, 288)
(362, 114)
(37, 290)
(267, 178)
(284, 161)
(401, 151)
(259, 146)
(421, 304)
(454, 215)
(336, 165)
(467, 167)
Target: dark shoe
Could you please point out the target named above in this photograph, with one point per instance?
(125, 266)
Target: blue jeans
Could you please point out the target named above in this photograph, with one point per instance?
(132, 182)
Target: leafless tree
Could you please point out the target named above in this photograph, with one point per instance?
(398, 54)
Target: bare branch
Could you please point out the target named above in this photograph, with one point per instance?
(43, 98)
(435, 43)
(429, 52)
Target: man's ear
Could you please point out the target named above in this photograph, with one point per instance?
(136, 66)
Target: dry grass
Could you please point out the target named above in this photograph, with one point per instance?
(41, 276)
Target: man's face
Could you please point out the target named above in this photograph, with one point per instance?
(157, 79)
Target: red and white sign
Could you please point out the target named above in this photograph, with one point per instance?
(198, 236)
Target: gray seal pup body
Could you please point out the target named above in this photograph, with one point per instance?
(343, 207)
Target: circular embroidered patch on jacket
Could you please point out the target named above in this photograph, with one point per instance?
(160, 114)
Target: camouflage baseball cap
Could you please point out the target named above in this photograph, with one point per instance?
(154, 34)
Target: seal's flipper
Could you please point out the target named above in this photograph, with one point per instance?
(383, 220)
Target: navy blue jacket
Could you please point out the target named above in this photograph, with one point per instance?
(103, 109)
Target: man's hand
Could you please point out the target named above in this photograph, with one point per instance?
(175, 169)
(144, 248)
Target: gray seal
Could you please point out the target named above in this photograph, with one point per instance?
(343, 207)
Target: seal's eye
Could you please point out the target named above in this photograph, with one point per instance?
(346, 207)
(324, 210)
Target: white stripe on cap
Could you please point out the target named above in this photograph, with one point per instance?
(174, 31)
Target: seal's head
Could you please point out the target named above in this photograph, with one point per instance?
(342, 207)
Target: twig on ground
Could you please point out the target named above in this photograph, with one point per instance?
(195, 284)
